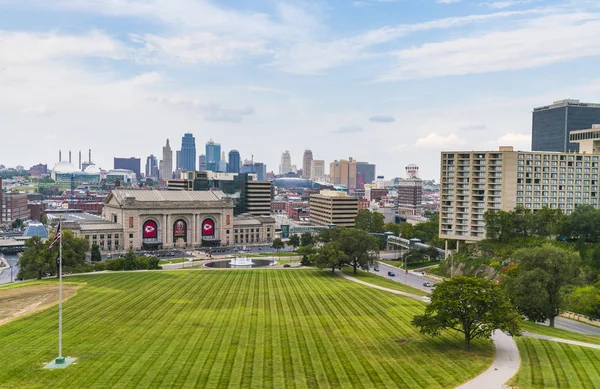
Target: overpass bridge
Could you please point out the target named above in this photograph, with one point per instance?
(395, 242)
(11, 246)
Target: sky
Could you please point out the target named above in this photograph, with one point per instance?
(391, 82)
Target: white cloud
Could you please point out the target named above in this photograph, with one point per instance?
(17, 48)
(541, 41)
(40, 110)
(520, 141)
(438, 142)
(315, 57)
(212, 112)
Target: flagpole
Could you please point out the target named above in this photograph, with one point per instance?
(60, 291)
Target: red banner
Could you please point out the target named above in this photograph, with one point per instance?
(150, 230)
(180, 229)
(208, 227)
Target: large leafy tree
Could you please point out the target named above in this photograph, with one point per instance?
(537, 285)
(393, 228)
(360, 247)
(583, 223)
(327, 235)
(277, 244)
(369, 221)
(307, 239)
(330, 256)
(35, 260)
(38, 260)
(294, 241)
(472, 306)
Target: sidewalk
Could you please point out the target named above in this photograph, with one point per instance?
(560, 340)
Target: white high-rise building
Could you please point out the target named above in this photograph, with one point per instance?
(166, 165)
(317, 170)
(306, 160)
(286, 163)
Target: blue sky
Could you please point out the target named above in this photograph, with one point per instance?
(384, 81)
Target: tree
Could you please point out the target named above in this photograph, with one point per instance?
(307, 252)
(369, 221)
(35, 260)
(583, 222)
(294, 241)
(307, 239)
(96, 256)
(393, 228)
(472, 306)
(360, 247)
(278, 244)
(17, 223)
(585, 300)
(73, 252)
(536, 286)
(329, 234)
(330, 256)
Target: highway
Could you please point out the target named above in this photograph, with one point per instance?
(411, 278)
(5, 273)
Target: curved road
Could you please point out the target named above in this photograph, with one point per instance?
(13, 261)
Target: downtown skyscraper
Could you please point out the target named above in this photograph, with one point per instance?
(234, 162)
(166, 164)
(188, 153)
(213, 156)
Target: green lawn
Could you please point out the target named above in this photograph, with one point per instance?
(546, 364)
(234, 329)
(556, 333)
(167, 261)
(381, 281)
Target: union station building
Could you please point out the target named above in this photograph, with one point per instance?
(150, 219)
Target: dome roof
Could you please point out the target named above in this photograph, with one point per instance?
(64, 167)
(92, 169)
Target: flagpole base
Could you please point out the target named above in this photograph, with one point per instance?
(60, 363)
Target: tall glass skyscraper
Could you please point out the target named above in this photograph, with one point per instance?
(213, 156)
(234, 162)
(552, 124)
(188, 152)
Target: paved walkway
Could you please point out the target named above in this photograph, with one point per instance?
(507, 360)
(560, 340)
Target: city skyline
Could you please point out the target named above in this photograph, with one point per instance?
(402, 79)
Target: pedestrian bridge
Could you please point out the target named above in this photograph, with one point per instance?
(11, 246)
(395, 242)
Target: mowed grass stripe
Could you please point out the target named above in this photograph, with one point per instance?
(548, 364)
(218, 333)
(314, 339)
(299, 329)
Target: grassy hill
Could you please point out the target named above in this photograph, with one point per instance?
(236, 329)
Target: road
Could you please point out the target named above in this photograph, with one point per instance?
(575, 326)
(13, 261)
(412, 279)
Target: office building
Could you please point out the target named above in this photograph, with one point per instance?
(188, 153)
(333, 208)
(478, 181)
(234, 162)
(13, 206)
(343, 172)
(306, 162)
(365, 174)
(552, 124)
(178, 160)
(258, 168)
(410, 193)
(133, 164)
(286, 163)
(151, 166)
(222, 165)
(213, 156)
(166, 167)
(255, 198)
(38, 169)
(202, 162)
(317, 170)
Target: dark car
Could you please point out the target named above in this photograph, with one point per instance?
(287, 265)
(426, 284)
(391, 274)
(376, 269)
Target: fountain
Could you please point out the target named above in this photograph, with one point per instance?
(241, 262)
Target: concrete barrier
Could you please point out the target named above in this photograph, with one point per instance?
(581, 318)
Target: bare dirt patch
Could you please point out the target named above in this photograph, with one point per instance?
(17, 302)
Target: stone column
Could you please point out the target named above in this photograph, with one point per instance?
(193, 231)
(168, 227)
(164, 230)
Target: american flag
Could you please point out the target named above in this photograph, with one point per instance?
(56, 237)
